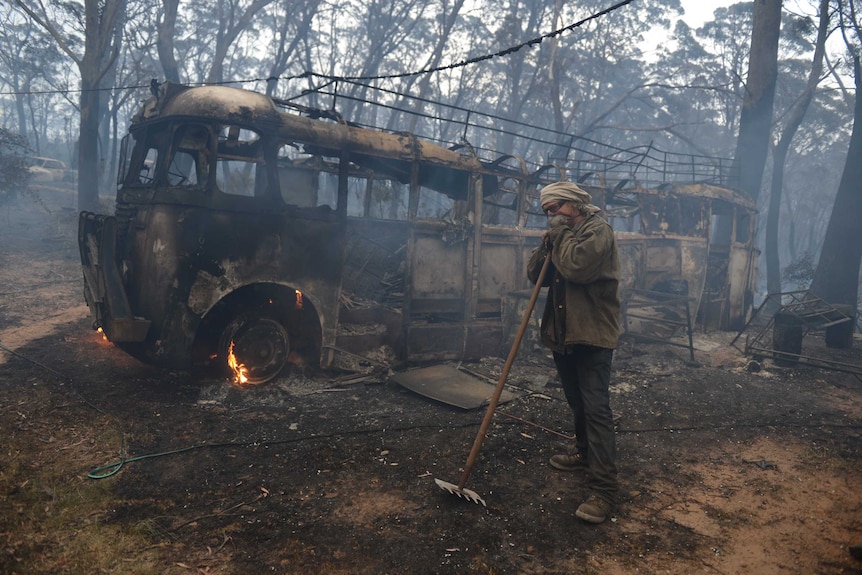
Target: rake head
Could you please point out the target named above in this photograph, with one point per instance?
(467, 494)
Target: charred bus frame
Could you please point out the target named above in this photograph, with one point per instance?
(244, 229)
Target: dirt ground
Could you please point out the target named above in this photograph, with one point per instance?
(724, 470)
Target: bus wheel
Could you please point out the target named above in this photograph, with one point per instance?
(260, 345)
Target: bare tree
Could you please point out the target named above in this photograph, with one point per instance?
(779, 152)
(165, 40)
(755, 123)
(291, 24)
(101, 48)
(836, 278)
(20, 58)
(233, 18)
(446, 21)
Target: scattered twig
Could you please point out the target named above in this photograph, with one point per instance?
(263, 495)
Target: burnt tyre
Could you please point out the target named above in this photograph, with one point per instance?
(260, 346)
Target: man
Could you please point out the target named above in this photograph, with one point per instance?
(580, 325)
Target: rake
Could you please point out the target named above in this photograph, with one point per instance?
(459, 489)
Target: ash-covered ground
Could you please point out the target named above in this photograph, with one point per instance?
(724, 469)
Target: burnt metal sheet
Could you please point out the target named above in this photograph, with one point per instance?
(447, 384)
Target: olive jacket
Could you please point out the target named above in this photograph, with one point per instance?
(583, 304)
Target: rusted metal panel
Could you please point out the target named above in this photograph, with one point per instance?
(500, 270)
(438, 268)
(435, 341)
(484, 339)
(741, 277)
(449, 385)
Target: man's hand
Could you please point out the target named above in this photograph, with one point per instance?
(559, 220)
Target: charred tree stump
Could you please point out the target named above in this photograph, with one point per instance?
(840, 336)
(787, 332)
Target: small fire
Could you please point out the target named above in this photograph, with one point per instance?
(101, 331)
(240, 372)
(298, 300)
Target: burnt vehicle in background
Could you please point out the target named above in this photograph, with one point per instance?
(248, 233)
(50, 171)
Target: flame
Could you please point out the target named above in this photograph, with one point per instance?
(239, 370)
(101, 331)
(298, 300)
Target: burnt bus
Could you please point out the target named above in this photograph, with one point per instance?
(248, 233)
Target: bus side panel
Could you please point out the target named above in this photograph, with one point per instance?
(212, 253)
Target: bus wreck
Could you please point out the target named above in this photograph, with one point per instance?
(249, 234)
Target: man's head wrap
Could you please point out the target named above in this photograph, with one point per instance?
(567, 192)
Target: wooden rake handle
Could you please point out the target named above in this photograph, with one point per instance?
(492, 406)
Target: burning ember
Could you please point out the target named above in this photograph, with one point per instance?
(239, 370)
(298, 300)
(101, 331)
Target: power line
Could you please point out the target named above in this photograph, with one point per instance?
(506, 52)
(311, 73)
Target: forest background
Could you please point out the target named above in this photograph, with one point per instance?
(768, 85)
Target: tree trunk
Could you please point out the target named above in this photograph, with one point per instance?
(779, 154)
(227, 33)
(165, 41)
(88, 148)
(284, 54)
(437, 56)
(20, 109)
(773, 263)
(836, 279)
(99, 40)
(752, 145)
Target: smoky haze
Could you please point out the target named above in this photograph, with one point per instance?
(588, 87)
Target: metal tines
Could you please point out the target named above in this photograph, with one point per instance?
(467, 494)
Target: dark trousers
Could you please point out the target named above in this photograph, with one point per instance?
(585, 372)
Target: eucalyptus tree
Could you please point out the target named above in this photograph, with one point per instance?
(793, 121)
(366, 39)
(165, 40)
(233, 18)
(698, 82)
(600, 71)
(581, 82)
(14, 174)
(289, 25)
(210, 42)
(464, 88)
(515, 76)
(727, 41)
(135, 67)
(87, 33)
(836, 278)
(811, 177)
(439, 33)
(26, 57)
(755, 122)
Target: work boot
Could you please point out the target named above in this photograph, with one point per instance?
(566, 462)
(594, 510)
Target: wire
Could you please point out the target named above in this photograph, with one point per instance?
(110, 469)
(505, 52)
(34, 362)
